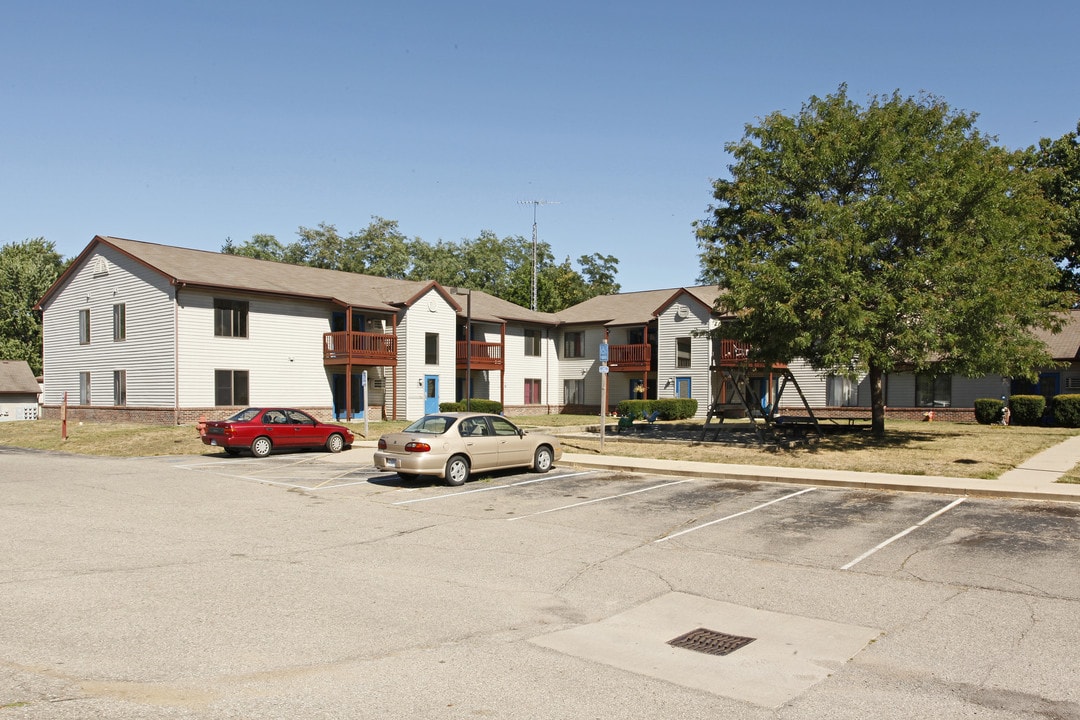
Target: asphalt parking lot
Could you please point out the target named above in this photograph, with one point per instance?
(309, 585)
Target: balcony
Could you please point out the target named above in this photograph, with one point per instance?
(630, 358)
(485, 355)
(733, 353)
(359, 348)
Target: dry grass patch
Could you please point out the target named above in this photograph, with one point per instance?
(909, 448)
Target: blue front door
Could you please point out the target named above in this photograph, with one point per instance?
(682, 387)
(431, 394)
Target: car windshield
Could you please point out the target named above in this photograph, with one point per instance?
(431, 424)
(245, 414)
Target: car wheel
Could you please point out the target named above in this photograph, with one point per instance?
(543, 459)
(232, 451)
(261, 447)
(335, 443)
(457, 470)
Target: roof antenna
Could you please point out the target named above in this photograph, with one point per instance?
(535, 204)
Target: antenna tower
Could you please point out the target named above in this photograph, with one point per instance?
(535, 204)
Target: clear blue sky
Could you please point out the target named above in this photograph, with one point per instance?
(184, 123)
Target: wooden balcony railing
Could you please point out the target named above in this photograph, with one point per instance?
(630, 358)
(734, 353)
(485, 355)
(359, 348)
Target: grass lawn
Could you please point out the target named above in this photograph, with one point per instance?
(911, 448)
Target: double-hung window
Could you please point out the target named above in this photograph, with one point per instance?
(230, 387)
(682, 352)
(573, 344)
(84, 326)
(532, 342)
(120, 387)
(431, 348)
(230, 318)
(119, 322)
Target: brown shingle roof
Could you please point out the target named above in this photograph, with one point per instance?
(1065, 345)
(17, 377)
(203, 268)
(632, 308)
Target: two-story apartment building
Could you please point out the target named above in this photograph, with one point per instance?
(149, 332)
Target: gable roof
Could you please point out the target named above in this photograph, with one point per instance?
(633, 308)
(1064, 345)
(184, 267)
(17, 377)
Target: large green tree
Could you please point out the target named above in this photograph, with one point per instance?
(1060, 162)
(891, 237)
(27, 270)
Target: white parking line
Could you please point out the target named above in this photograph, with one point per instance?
(729, 517)
(491, 487)
(596, 500)
(899, 535)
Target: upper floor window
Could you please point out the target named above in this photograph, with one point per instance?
(532, 342)
(933, 390)
(574, 344)
(230, 318)
(119, 323)
(431, 348)
(84, 326)
(682, 352)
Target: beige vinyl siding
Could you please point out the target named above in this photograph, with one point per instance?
(107, 278)
(282, 351)
(812, 383)
(672, 325)
(520, 366)
(584, 368)
(430, 314)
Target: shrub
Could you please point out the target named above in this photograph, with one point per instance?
(988, 410)
(669, 408)
(476, 405)
(1066, 410)
(1027, 409)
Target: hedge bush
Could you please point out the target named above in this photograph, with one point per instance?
(988, 410)
(1027, 409)
(476, 405)
(1066, 410)
(669, 408)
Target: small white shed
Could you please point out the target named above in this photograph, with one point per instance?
(19, 391)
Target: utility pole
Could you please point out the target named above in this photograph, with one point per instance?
(535, 204)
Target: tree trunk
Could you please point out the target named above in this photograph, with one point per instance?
(877, 402)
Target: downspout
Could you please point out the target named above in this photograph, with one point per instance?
(502, 373)
(176, 353)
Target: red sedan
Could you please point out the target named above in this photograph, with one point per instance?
(261, 430)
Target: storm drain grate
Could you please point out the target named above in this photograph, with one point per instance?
(710, 642)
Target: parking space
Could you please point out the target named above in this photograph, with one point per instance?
(846, 529)
(312, 585)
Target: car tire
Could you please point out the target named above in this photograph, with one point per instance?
(232, 451)
(543, 459)
(335, 443)
(457, 470)
(261, 446)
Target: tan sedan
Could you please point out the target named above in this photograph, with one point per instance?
(453, 445)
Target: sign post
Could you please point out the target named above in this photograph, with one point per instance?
(363, 384)
(603, 390)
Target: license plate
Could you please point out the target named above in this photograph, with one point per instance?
(391, 462)
(213, 442)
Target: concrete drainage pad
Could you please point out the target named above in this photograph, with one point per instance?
(788, 654)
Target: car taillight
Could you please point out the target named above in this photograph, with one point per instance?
(415, 446)
(382, 444)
